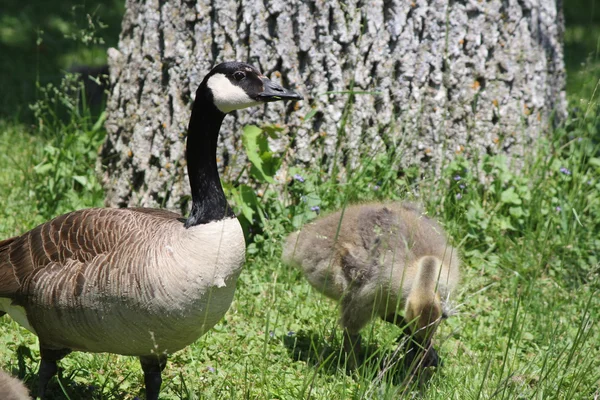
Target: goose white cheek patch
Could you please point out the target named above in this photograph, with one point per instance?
(227, 96)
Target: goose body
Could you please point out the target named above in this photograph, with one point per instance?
(141, 282)
(94, 295)
(379, 260)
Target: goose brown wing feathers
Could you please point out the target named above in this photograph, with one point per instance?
(74, 238)
(8, 281)
(157, 212)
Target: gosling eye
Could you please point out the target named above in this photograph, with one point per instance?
(239, 75)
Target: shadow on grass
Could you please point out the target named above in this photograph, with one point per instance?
(376, 363)
(63, 386)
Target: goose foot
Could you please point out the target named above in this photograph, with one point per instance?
(152, 367)
(48, 367)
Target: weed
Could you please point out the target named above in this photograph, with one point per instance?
(65, 178)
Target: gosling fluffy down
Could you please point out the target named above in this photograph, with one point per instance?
(11, 388)
(379, 260)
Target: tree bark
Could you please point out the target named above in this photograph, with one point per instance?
(444, 78)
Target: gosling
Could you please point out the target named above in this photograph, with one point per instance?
(377, 259)
(11, 388)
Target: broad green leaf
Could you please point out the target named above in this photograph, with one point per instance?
(83, 180)
(250, 202)
(312, 199)
(245, 199)
(298, 220)
(42, 168)
(509, 196)
(256, 146)
(516, 212)
(504, 224)
(594, 161)
(310, 114)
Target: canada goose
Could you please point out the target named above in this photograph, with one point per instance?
(377, 259)
(140, 282)
(11, 388)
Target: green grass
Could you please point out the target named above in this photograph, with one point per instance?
(529, 300)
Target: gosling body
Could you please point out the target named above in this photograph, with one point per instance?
(379, 260)
(11, 388)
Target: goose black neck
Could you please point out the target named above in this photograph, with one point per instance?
(208, 199)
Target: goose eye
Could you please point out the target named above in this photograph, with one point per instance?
(238, 76)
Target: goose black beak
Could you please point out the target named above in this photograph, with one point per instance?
(273, 92)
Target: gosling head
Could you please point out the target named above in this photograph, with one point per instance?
(423, 312)
(235, 85)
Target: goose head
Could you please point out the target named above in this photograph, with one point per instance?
(236, 85)
(227, 87)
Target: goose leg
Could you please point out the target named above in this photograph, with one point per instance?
(152, 367)
(48, 367)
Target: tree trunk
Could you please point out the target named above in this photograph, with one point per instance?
(444, 78)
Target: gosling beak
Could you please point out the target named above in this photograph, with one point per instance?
(273, 92)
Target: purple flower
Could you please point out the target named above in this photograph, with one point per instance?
(457, 178)
(299, 178)
(462, 186)
(376, 187)
(210, 369)
(565, 171)
(315, 209)
(558, 209)
(271, 334)
(458, 196)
